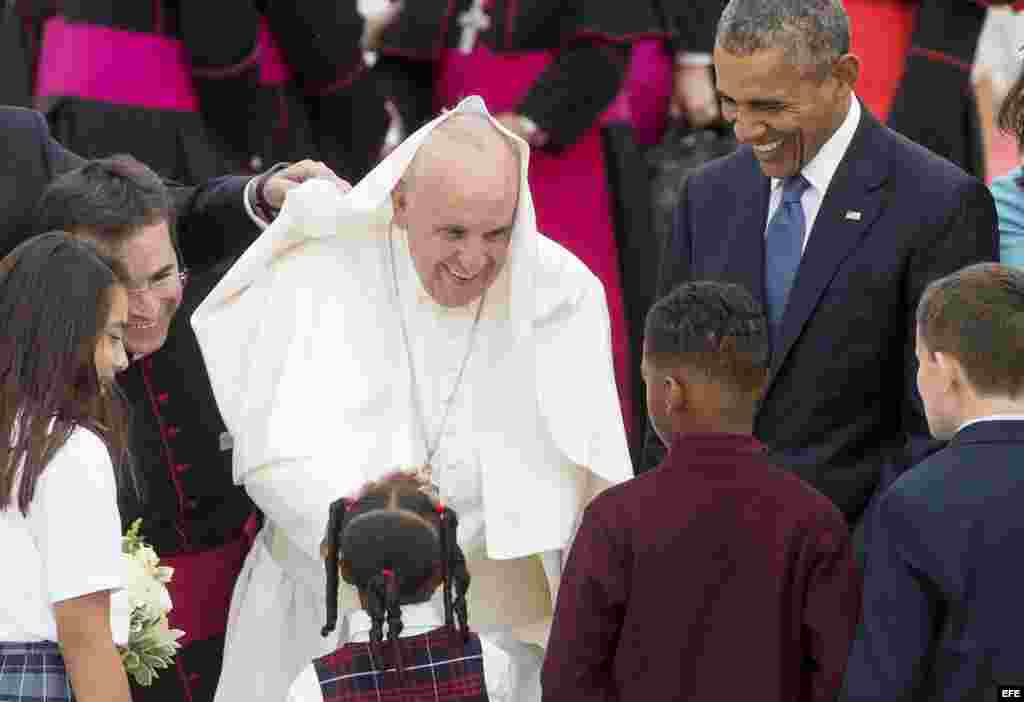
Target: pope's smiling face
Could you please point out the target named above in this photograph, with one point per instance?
(457, 206)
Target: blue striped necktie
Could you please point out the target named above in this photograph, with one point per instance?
(784, 242)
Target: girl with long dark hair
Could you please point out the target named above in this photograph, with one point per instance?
(62, 311)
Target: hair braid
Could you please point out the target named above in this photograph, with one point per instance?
(460, 580)
(449, 541)
(335, 524)
(376, 607)
(392, 604)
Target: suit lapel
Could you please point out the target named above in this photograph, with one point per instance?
(853, 201)
(743, 259)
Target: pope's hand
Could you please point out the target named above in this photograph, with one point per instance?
(277, 186)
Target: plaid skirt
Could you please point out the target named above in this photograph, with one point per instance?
(438, 668)
(33, 672)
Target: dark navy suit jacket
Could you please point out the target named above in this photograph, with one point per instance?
(841, 407)
(211, 217)
(942, 616)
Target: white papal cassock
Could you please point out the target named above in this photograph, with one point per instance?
(305, 352)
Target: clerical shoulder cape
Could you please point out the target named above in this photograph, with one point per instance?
(305, 353)
(316, 368)
(306, 358)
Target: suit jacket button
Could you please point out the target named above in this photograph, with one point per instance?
(182, 467)
(162, 398)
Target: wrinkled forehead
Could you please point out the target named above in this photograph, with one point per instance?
(766, 74)
(469, 140)
(466, 178)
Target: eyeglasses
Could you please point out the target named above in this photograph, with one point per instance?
(161, 283)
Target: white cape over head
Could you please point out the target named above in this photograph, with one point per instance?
(555, 340)
(304, 350)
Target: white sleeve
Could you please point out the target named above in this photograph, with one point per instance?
(296, 497)
(499, 672)
(306, 687)
(75, 521)
(997, 49)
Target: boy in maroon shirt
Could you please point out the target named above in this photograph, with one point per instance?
(718, 575)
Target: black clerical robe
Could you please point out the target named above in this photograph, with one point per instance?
(588, 38)
(17, 52)
(913, 61)
(199, 522)
(330, 96)
(196, 89)
(716, 576)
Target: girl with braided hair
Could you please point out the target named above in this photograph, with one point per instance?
(397, 545)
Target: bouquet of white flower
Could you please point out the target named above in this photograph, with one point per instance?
(151, 642)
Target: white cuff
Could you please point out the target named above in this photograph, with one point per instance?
(248, 208)
(690, 58)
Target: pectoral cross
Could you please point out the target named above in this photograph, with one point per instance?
(473, 21)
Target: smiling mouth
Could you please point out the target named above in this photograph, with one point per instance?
(765, 149)
(141, 325)
(462, 278)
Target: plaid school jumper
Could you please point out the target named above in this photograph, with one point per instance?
(33, 672)
(439, 667)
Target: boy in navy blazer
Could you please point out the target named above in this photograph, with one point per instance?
(942, 613)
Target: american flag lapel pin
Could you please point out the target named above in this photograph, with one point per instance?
(853, 214)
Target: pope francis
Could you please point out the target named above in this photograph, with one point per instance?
(419, 320)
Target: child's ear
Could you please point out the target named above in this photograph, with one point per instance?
(676, 393)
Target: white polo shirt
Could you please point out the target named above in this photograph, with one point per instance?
(68, 545)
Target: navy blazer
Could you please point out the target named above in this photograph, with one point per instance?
(841, 405)
(942, 615)
(211, 217)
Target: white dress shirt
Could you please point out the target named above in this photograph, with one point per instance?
(819, 171)
(67, 546)
(992, 418)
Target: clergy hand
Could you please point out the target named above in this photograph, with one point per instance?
(693, 96)
(277, 186)
(523, 127)
(377, 23)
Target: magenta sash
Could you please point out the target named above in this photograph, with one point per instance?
(137, 69)
(570, 188)
(648, 89)
(202, 585)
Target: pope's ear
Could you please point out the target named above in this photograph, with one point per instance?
(400, 204)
